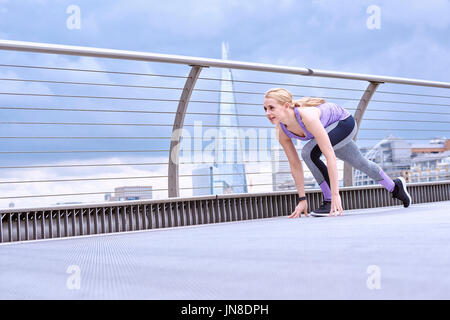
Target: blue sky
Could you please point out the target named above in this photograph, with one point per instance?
(412, 42)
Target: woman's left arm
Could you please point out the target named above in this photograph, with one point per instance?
(310, 117)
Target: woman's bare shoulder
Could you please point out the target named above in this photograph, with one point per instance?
(310, 112)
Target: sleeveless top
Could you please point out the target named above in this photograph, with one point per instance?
(330, 113)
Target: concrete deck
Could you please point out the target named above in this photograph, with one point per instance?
(382, 253)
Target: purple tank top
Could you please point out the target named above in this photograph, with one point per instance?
(330, 113)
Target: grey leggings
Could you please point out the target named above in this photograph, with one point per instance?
(341, 135)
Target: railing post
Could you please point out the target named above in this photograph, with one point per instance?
(174, 152)
(359, 113)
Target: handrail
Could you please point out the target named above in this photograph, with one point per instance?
(205, 62)
(202, 197)
(196, 64)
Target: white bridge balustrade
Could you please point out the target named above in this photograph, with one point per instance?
(125, 105)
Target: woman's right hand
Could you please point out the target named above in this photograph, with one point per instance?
(302, 207)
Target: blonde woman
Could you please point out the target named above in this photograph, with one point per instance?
(329, 130)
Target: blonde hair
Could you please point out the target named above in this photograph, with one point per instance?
(282, 96)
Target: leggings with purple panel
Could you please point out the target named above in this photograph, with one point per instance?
(341, 135)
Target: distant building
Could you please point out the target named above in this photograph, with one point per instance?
(131, 193)
(415, 162)
(430, 162)
(202, 180)
(228, 173)
(364, 150)
(392, 154)
(434, 146)
(68, 203)
(281, 172)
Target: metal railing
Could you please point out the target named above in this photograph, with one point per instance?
(163, 101)
(91, 219)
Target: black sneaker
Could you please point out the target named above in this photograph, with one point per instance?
(401, 193)
(323, 210)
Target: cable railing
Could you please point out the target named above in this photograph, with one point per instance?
(419, 179)
(217, 79)
(169, 112)
(76, 118)
(154, 177)
(202, 101)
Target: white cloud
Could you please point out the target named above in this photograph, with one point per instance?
(411, 13)
(418, 57)
(82, 186)
(195, 18)
(417, 13)
(89, 24)
(105, 185)
(20, 87)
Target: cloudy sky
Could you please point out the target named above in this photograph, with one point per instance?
(393, 38)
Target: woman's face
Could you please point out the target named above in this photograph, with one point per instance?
(275, 111)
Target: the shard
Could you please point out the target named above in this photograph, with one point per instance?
(227, 174)
(230, 176)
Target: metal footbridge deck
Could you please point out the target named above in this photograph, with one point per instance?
(379, 253)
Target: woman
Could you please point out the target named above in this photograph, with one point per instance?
(329, 129)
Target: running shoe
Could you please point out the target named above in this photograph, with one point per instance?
(401, 193)
(323, 210)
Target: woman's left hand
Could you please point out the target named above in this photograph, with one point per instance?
(336, 206)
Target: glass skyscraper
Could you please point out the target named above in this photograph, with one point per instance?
(229, 177)
(227, 174)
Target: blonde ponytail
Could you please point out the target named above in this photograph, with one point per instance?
(308, 102)
(282, 96)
